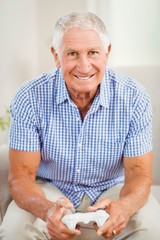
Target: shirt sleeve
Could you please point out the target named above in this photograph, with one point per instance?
(24, 134)
(139, 138)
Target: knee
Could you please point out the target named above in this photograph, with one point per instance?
(147, 233)
(144, 226)
(14, 223)
(24, 230)
(150, 220)
(11, 231)
(151, 228)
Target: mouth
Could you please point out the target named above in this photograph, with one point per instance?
(84, 78)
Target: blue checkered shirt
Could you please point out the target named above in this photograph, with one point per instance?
(82, 157)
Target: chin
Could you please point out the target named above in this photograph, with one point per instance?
(87, 89)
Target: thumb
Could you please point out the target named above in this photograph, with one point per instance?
(64, 202)
(102, 204)
(63, 205)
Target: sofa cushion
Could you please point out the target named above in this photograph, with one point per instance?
(5, 196)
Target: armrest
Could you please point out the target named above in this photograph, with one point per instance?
(5, 196)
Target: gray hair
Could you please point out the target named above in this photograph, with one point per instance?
(85, 20)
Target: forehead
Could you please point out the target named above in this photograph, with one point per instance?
(81, 38)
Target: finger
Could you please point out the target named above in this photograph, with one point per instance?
(105, 231)
(75, 232)
(103, 203)
(64, 234)
(64, 202)
(61, 231)
(61, 207)
(56, 213)
(113, 225)
(109, 232)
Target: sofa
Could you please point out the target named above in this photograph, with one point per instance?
(5, 196)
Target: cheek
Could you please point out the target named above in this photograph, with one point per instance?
(104, 62)
(101, 65)
(66, 66)
(66, 72)
(100, 62)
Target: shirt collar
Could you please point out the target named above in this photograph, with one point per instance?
(105, 90)
(63, 94)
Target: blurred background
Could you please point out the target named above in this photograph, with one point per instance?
(26, 33)
(133, 26)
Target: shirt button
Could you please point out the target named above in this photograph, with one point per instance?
(77, 119)
(80, 145)
(78, 170)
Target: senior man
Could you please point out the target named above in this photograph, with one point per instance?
(81, 139)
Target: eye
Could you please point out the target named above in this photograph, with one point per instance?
(93, 52)
(72, 54)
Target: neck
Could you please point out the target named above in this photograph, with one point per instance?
(83, 101)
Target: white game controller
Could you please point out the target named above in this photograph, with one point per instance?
(99, 217)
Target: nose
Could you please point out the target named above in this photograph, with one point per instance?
(84, 65)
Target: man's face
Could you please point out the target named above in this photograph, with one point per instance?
(82, 59)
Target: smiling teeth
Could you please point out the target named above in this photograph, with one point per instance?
(84, 78)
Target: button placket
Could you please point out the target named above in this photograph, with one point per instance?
(79, 155)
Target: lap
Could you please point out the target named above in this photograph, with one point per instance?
(147, 217)
(52, 193)
(18, 222)
(145, 223)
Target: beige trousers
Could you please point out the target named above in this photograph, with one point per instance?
(21, 225)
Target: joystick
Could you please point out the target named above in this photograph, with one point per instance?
(99, 217)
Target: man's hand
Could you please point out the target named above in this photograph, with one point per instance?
(133, 195)
(118, 218)
(56, 229)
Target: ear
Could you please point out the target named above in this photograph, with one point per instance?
(56, 57)
(109, 49)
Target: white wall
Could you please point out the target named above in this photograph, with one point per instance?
(18, 46)
(134, 29)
